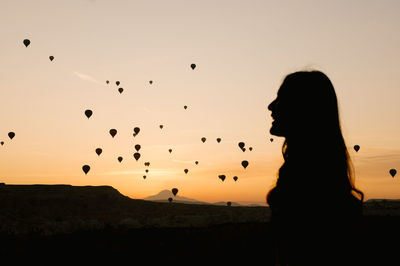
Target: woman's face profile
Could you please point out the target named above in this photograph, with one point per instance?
(280, 121)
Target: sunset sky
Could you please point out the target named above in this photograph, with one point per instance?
(242, 49)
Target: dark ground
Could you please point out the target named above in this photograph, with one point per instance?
(229, 244)
(168, 246)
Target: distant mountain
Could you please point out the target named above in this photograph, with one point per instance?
(163, 196)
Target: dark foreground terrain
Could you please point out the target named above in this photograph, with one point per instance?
(65, 225)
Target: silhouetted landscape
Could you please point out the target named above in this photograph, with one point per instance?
(96, 223)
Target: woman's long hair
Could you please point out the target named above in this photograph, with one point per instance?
(317, 170)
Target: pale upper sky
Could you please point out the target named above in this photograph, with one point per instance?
(242, 49)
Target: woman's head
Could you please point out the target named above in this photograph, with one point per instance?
(306, 105)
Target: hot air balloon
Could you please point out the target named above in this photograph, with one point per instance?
(136, 155)
(147, 164)
(271, 139)
(170, 150)
(193, 66)
(51, 57)
(99, 151)
(151, 82)
(170, 199)
(356, 148)
(113, 132)
(144, 177)
(26, 42)
(147, 170)
(86, 168)
(229, 204)
(117, 82)
(245, 164)
(185, 107)
(174, 191)
(11, 135)
(120, 90)
(186, 171)
(235, 178)
(250, 148)
(136, 131)
(222, 177)
(203, 139)
(107, 81)
(88, 113)
(196, 162)
(2, 143)
(137, 147)
(120, 159)
(161, 126)
(392, 172)
(241, 145)
(218, 140)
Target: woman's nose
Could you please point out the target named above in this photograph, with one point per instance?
(271, 105)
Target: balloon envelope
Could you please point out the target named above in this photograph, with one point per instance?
(186, 171)
(161, 126)
(235, 178)
(99, 151)
(107, 81)
(117, 82)
(120, 90)
(88, 113)
(245, 164)
(51, 57)
(222, 177)
(113, 132)
(196, 162)
(170, 150)
(11, 135)
(218, 140)
(2, 143)
(147, 164)
(174, 191)
(86, 168)
(193, 66)
(356, 148)
(136, 130)
(136, 155)
(137, 147)
(120, 159)
(144, 177)
(151, 82)
(203, 139)
(250, 148)
(392, 172)
(27, 42)
(185, 107)
(241, 145)
(271, 139)
(170, 199)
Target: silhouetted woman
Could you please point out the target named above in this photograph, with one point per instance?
(315, 206)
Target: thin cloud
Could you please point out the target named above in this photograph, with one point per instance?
(87, 78)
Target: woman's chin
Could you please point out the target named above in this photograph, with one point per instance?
(275, 131)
